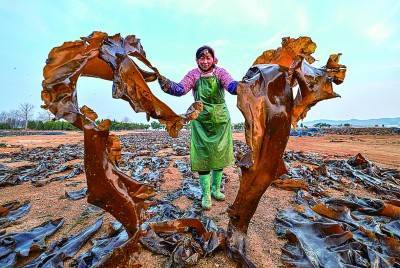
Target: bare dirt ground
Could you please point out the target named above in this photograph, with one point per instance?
(49, 202)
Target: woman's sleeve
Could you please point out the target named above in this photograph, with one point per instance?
(227, 81)
(181, 88)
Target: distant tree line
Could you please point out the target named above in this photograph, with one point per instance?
(16, 118)
(238, 126)
(115, 125)
(50, 125)
(22, 118)
(64, 125)
(322, 125)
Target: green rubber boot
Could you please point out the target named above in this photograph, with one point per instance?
(216, 185)
(205, 187)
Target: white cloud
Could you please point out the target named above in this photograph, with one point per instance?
(302, 19)
(26, 12)
(272, 42)
(379, 32)
(254, 12)
(218, 43)
(396, 44)
(366, 67)
(377, 21)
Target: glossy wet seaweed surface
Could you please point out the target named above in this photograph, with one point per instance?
(328, 224)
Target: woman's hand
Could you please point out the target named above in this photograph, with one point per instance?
(164, 82)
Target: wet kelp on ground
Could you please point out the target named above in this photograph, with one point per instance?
(347, 231)
(362, 227)
(43, 165)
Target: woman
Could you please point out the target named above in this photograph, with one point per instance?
(211, 146)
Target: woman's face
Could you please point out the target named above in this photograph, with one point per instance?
(206, 61)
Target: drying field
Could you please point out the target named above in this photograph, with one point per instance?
(332, 206)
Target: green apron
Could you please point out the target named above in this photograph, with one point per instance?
(211, 145)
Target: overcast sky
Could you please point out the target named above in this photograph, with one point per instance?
(366, 32)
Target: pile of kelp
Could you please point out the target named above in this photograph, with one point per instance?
(31, 248)
(310, 132)
(378, 131)
(325, 229)
(44, 165)
(169, 230)
(6, 133)
(331, 225)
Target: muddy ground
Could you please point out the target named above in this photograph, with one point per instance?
(49, 201)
